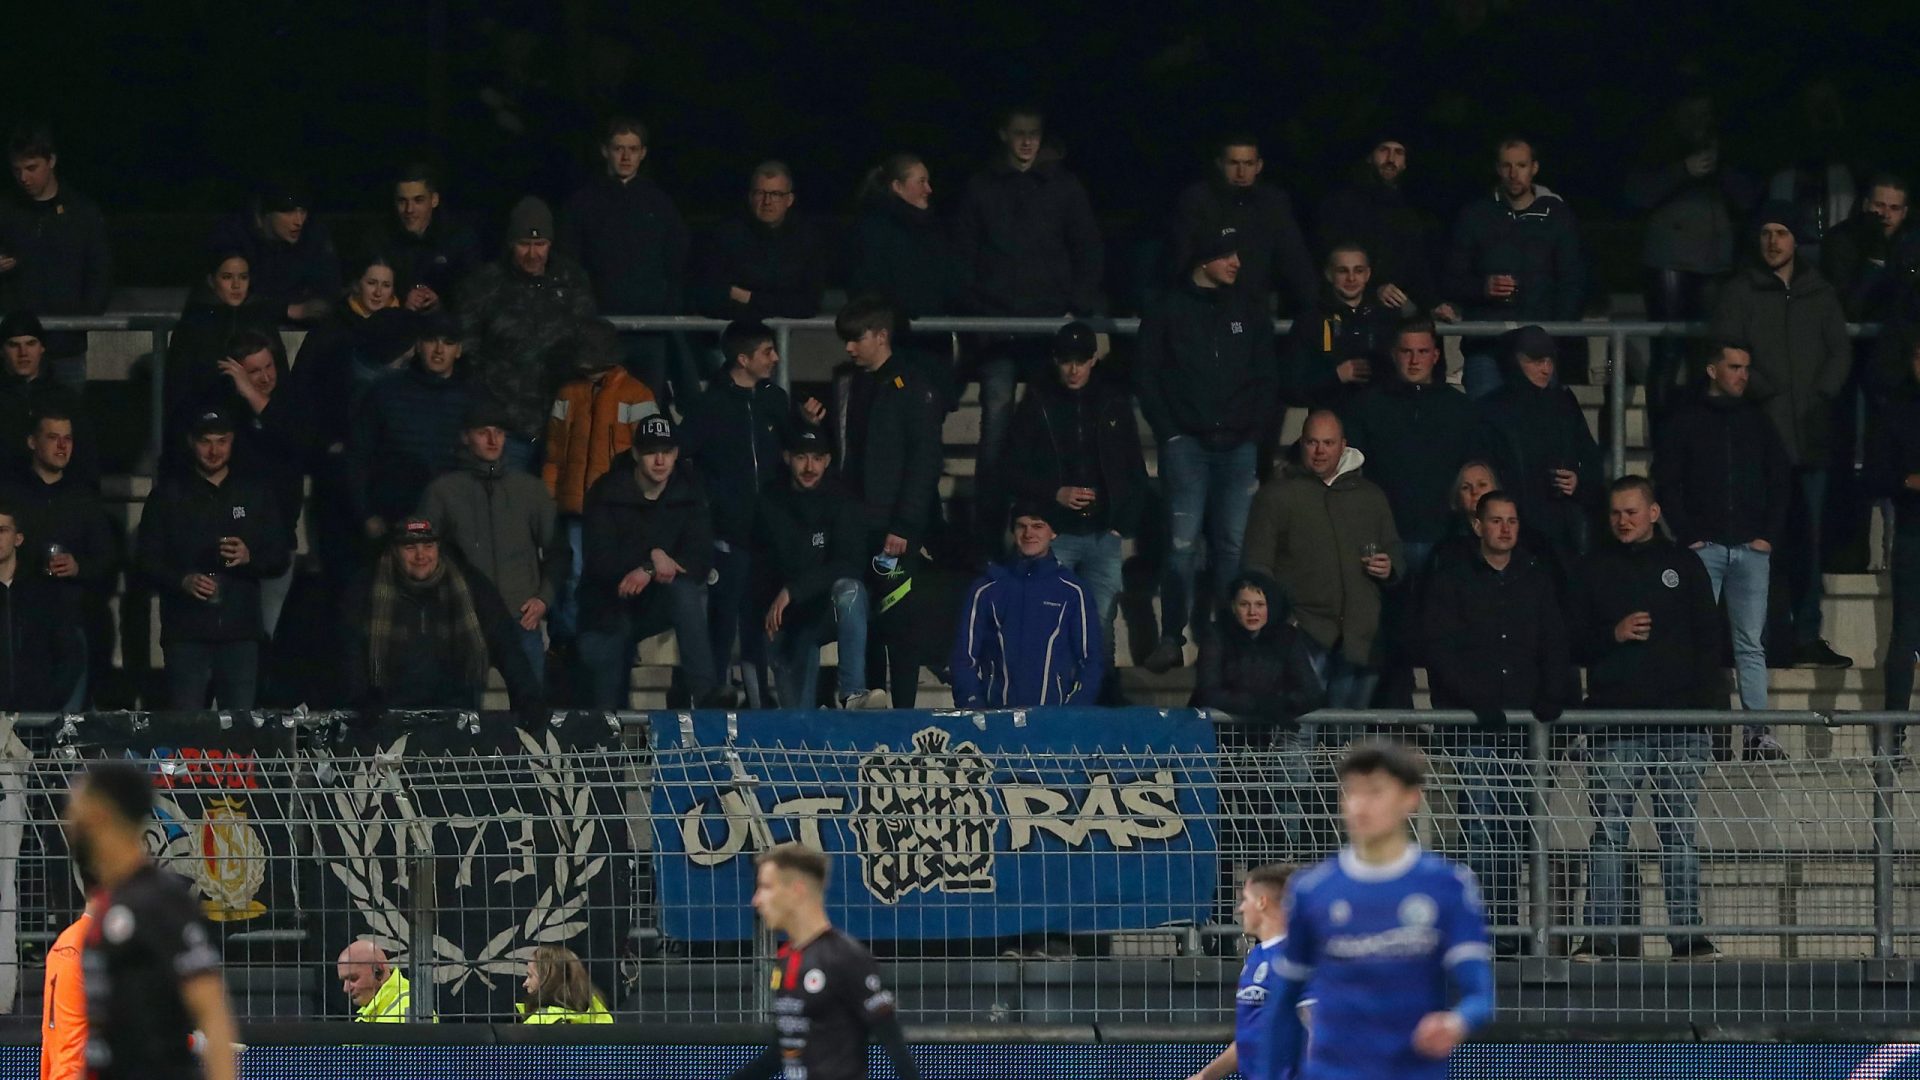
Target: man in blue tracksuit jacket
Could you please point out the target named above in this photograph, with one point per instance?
(1029, 631)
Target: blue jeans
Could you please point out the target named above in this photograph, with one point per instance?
(1743, 573)
(1349, 685)
(1210, 489)
(230, 668)
(794, 653)
(563, 622)
(1095, 560)
(534, 645)
(1669, 768)
(1479, 375)
(1807, 584)
(1494, 780)
(606, 651)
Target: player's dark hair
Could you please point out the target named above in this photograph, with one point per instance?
(1403, 763)
(1271, 876)
(124, 787)
(797, 858)
(742, 337)
(862, 315)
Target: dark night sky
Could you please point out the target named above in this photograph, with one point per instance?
(175, 106)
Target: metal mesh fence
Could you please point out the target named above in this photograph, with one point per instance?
(1019, 886)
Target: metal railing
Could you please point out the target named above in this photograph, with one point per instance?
(1007, 885)
(1615, 332)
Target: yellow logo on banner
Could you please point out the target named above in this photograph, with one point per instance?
(231, 864)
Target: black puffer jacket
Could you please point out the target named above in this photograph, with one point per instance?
(1415, 437)
(621, 526)
(1333, 334)
(903, 253)
(1030, 242)
(1495, 639)
(1086, 438)
(1263, 679)
(180, 532)
(1722, 473)
(1208, 367)
(1678, 666)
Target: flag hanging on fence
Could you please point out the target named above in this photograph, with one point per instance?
(942, 826)
(527, 836)
(224, 807)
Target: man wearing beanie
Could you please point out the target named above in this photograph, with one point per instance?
(1208, 381)
(501, 521)
(518, 313)
(1791, 320)
(1029, 630)
(1273, 253)
(1372, 211)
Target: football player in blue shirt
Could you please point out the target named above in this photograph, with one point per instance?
(1256, 1044)
(1393, 938)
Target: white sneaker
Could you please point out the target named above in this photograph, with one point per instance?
(868, 699)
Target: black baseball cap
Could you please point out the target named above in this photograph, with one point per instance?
(1210, 244)
(1075, 342)
(654, 433)
(211, 422)
(415, 530)
(808, 439)
(1532, 341)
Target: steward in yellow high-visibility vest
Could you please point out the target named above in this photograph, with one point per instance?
(559, 992)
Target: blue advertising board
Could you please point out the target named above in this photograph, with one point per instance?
(940, 826)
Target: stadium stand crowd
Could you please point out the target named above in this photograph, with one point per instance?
(485, 474)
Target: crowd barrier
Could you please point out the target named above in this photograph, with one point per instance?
(1614, 332)
(1041, 867)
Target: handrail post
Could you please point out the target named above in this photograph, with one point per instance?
(1880, 740)
(783, 374)
(1617, 384)
(157, 407)
(1539, 899)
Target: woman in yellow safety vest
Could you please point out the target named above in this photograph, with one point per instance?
(559, 992)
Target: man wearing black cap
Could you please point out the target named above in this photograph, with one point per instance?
(407, 429)
(1372, 211)
(502, 522)
(1273, 253)
(423, 629)
(1208, 382)
(1791, 320)
(54, 254)
(206, 540)
(648, 539)
(291, 256)
(1076, 445)
(1029, 630)
(810, 554)
(517, 313)
(1547, 458)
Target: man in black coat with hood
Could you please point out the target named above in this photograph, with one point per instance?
(1273, 253)
(1546, 454)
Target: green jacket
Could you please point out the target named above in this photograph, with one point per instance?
(501, 520)
(1306, 534)
(558, 1014)
(1801, 356)
(390, 1003)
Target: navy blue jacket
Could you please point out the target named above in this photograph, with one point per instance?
(1029, 635)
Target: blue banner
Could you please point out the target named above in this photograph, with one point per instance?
(941, 826)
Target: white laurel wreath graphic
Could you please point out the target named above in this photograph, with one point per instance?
(556, 917)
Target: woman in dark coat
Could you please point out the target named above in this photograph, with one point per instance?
(219, 309)
(1258, 673)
